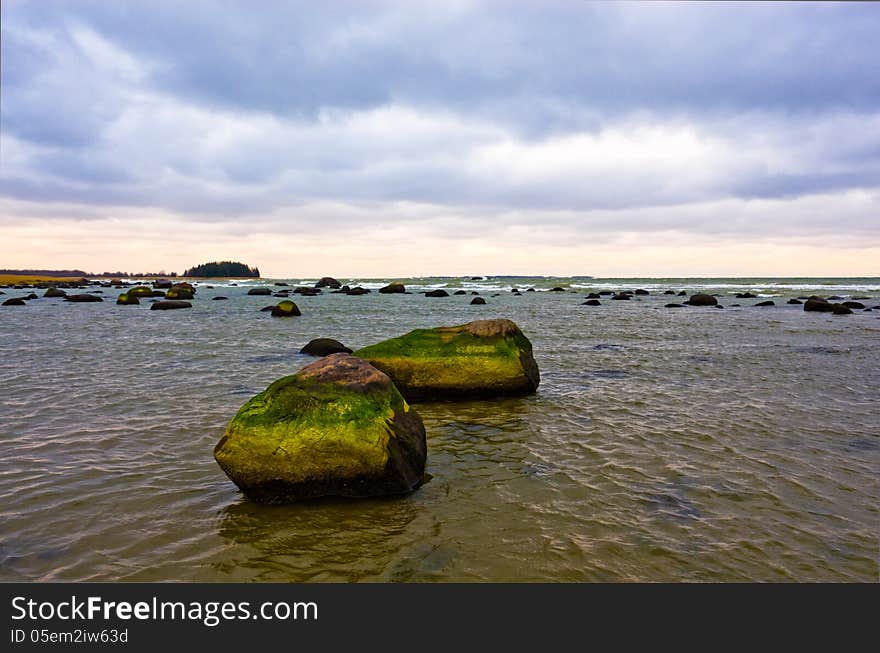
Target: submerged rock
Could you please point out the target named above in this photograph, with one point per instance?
(794, 301)
(219, 298)
(328, 282)
(393, 288)
(338, 427)
(621, 297)
(642, 291)
(285, 309)
(324, 347)
(701, 299)
(127, 300)
(15, 301)
(592, 302)
(83, 298)
(769, 302)
(358, 291)
(169, 304)
(674, 306)
(593, 295)
(479, 359)
(745, 295)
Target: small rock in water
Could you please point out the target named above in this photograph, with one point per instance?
(83, 298)
(592, 302)
(393, 288)
(460, 292)
(477, 301)
(674, 306)
(641, 291)
(285, 309)
(219, 298)
(259, 291)
(769, 302)
(621, 297)
(819, 305)
(794, 301)
(324, 347)
(169, 304)
(437, 293)
(15, 301)
(840, 309)
(702, 299)
(853, 304)
(328, 282)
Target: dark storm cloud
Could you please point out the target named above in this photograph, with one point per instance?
(225, 107)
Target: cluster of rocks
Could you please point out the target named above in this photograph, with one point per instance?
(343, 426)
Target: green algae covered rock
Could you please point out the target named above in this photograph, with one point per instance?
(139, 291)
(480, 359)
(180, 292)
(126, 299)
(286, 308)
(338, 427)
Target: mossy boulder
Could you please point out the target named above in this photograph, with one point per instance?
(179, 292)
(338, 427)
(393, 288)
(139, 291)
(286, 308)
(127, 299)
(480, 359)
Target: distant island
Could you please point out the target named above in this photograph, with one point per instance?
(222, 269)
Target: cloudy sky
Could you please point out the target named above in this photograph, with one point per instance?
(397, 139)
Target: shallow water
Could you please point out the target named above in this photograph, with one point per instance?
(662, 445)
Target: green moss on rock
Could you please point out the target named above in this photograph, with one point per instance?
(338, 427)
(479, 359)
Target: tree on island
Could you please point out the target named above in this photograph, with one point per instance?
(222, 269)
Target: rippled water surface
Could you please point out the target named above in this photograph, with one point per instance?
(663, 444)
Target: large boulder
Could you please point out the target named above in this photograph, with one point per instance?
(393, 288)
(324, 347)
(701, 299)
(479, 359)
(54, 292)
(169, 305)
(328, 282)
(338, 427)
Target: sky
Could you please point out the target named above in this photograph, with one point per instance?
(397, 139)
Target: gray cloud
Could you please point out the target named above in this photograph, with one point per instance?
(224, 109)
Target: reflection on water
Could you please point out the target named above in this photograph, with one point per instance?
(684, 444)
